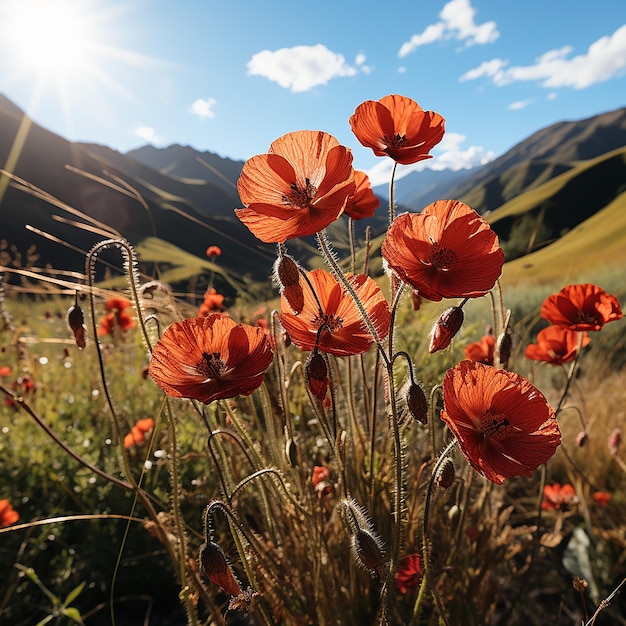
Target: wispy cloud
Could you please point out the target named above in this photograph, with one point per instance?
(519, 104)
(447, 155)
(204, 108)
(604, 59)
(457, 22)
(147, 133)
(300, 68)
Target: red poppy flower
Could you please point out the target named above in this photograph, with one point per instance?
(602, 497)
(212, 251)
(320, 474)
(330, 320)
(363, 202)
(581, 307)
(446, 251)
(503, 423)
(409, 573)
(117, 303)
(213, 303)
(482, 351)
(5, 370)
(298, 188)
(114, 320)
(556, 345)
(8, 515)
(398, 127)
(557, 497)
(210, 358)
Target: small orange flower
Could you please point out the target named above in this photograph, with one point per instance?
(213, 303)
(398, 127)
(556, 345)
(363, 202)
(446, 251)
(330, 320)
(298, 188)
(602, 497)
(504, 424)
(409, 573)
(8, 515)
(581, 307)
(482, 351)
(557, 497)
(5, 370)
(117, 303)
(320, 474)
(210, 358)
(212, 251)
(116, 319)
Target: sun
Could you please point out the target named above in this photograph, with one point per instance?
(55, 39)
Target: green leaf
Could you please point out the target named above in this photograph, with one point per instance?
(73, 614)
(72, 595)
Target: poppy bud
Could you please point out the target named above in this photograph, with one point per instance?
(416, 300)
(76, 322)
(368, 552)
(446, 327)
(615, 438)
(213, 562)
(581, 439)
(287, 275)
(291, 452)
(445, 475)
(503, 349)
(416, 403)
(316, 373)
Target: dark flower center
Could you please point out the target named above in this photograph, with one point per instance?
(395, 141)
(300, 197)
(494, 425)
(584, 317)
(211, 365)
(442, 258)
(328, 322)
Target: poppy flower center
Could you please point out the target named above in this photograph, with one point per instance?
(328, 322)
(394, 141)
(300, 197)
(494, 425)
(582, 317)
(442, 258)
(211, 365)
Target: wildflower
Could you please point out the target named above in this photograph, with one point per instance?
(5, 370)
(8, 515)
(139, 433)
(214, 564)
(363, 202)
(445, 328)
(398, 127)
(409, 573)
(581, 307)
(602, 497)
(210, 358)
(301, 186)
(446, 251)
(504, 424)
(213, 251)
(330, 320)
(556, 496)
(117, 317)
(481, 351)
(320, 474)
(556, 345)
(213, 303)
(615, 439)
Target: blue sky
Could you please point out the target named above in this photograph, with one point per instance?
(230, 77)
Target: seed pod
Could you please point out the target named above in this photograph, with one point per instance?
(76, 322)
(416, 403)
(316, 373)
(213, 563)
(445, 328)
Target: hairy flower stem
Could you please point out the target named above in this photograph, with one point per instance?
(391, 193)
(426, 543)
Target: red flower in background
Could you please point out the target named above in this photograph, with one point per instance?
(213, 303)
(213, 251)
(117, 303)
(556, 345)
(363, 202)
(446, 251)
(300, 187)
(210, 358)
(504, 424)
(117, 317)
(139, 433)
(558, 497)
(482, 351)
(330, 320)
(581, 307)
(409, 573)
(8, 515)
(5, 370)
(602, 497)
(398, 127)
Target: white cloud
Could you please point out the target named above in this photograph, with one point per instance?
(300, 68)
(204, 108)
(457, 22)
(448, 154)
(552, 96)
(519, 104)
(147, 133)
(604, 59)
(360, 62)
